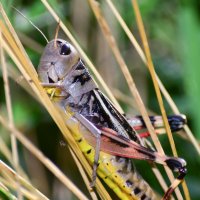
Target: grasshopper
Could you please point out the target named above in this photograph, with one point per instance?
(105, 136)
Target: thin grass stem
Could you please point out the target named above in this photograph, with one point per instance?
(143, 57)
(17, 53)
(111, 41)
(43, 159)
(10, 115)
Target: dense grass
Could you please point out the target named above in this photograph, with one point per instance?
(173, 33)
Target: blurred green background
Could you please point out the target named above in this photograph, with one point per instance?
(173, 30)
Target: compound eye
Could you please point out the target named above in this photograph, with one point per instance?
(65, 49)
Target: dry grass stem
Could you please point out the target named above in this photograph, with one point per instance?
(143, 57)
(9, 177)
(31, 43)
(8, 155)
(5, 150)
(176, 111)
(22, 61)
(17, 52)
(111, 41)
(127, 30)
(26, 193)
(15, 157)
(6, 192)
(131, 84)
(153, 75)
(10, 43)
(19, 79)
(124, 98)
(158, 94)
(39, 155)
(85, 178)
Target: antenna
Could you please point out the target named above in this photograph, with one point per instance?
(32, 24)
(56, 33)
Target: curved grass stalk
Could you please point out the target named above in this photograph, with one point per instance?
(157, 90)
(18, 54)
(8, 178)
(143, 57)
(161, 89)
(5, 193)
(15, 156)
(111, 41)
(8, 155)
(44, 160)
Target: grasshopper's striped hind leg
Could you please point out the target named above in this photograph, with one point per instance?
(97, 133)
(176, 123)
(134, 150)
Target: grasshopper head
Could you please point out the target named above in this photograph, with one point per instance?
(58, 58)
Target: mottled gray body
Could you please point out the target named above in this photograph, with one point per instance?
(60, 66)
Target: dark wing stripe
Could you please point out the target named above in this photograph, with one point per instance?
(118, 121)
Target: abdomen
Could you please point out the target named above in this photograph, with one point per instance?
(117, 172)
